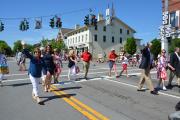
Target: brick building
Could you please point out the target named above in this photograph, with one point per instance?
(174, 15)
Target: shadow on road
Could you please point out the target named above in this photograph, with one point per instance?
(69, 88)
(48, 98)
(18, 84)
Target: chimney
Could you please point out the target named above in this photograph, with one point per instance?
(77, 26)
(100, 17)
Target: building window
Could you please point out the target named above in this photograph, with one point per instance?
(112, 39)
(82, 38)
(96, 28)
(127, 32)
(120, 40)
(120, 31)
(173, 19)
(104, 38)
(79, 38)
(95, 37)
(104, 28)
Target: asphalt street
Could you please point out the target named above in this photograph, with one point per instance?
(98, 98)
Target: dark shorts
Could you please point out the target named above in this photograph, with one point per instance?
(51, 71)
(111, 63)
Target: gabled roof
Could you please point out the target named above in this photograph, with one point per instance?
(101, 21)
(124, 24)
(66, 30)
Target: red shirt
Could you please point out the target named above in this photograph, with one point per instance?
(86, 56)
(112, 56)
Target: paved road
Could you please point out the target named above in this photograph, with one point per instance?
(98, 98)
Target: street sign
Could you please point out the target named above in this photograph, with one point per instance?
(165, 18)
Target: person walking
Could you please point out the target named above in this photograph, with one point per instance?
(34, 72)
(162, 64)
(48, 69)
(3, 67)
(112, 62)
(124, 65)
(71, 64)
(145, 65)
(175, 70)
(86, 57)
(58, 62)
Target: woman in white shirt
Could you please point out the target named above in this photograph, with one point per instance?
(124, 65)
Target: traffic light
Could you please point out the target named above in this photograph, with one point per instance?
(22, 26)
(95, 21)
(92, 19)
(86, 20)
(58, 23)
(1, 27)
(27, 25)
(52, 22)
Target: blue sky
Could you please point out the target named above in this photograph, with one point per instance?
(142, 15)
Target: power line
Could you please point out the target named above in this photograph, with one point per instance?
(60, 14)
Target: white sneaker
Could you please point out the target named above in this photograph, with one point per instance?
(164, 88)
(38, 100)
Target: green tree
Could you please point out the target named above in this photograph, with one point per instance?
(130, 46)
(5, 48)
(174, 43)
(156, 47)
(55, 44)
(17, 46)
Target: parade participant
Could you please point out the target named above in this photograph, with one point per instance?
(145, 65)
(175, 63)
(3, 67)
(58, 62)
(35, 68)
(86, 57)
(124, 64)
(21, 61)
(49, 68)
(161, 69)
(112, 64)
(72, 64)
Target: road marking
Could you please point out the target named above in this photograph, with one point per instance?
(14, 80)
(165, 94)
(78, 74)
(81, 107)
(67, 71)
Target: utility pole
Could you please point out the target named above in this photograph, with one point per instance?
(165, 28)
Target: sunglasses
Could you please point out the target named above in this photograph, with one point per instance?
(37, 52)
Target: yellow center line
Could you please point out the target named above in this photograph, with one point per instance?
(80, 106)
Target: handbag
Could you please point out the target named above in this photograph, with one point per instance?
(77, 69)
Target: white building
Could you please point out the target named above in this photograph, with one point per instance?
(100, 39)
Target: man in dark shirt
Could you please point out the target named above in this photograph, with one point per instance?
(175, 63)
(145, 65)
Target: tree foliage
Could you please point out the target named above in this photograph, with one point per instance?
(156, 47)
(174, 43)
(55, 44)
(5, 48)
(130, 46)
(17, 46)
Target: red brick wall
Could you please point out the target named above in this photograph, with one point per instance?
(173, 5)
